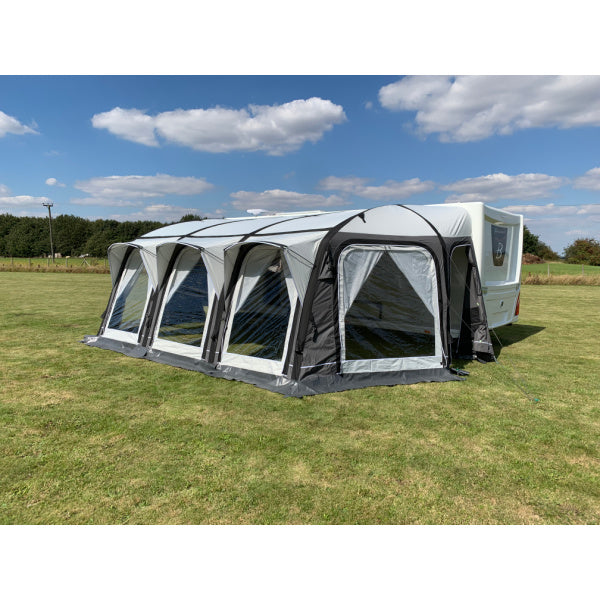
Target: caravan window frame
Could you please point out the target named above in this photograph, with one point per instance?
(253, 363)
(180, 348)
(119, 334)
(390, 363)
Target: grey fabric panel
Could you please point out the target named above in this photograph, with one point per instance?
(320, 345)
(133, 350)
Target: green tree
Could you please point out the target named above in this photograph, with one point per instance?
(530, 241)
(191, 217)
(28, 237)
(7, 222)
(583, 251)
(70, 234)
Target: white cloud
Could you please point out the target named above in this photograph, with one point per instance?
(343, 184)
(9, 124)
(473, 107)
(53, 181)
(498, 186)
(589, 181)
(130, 124)
(545, 210)
(276, 129)
(389, 191)
(8, 204)
(282, 200)
(559, 225)
(106, 190)
(589, 209)
(93, 201)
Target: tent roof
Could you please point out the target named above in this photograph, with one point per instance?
(301, 231)
(450, 220)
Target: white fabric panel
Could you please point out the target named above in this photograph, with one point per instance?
(392, 364)
(417, 266)
(116, 254)
(252, 363)
(149, 257)
(449, 220)
(322, 221)
(356, 266)
(179, 229)
(179, 349)
(213, 251)
(243, 226)
(299, 250)
(389, 221)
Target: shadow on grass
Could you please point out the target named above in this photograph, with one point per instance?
(503, 336)
(512, 334)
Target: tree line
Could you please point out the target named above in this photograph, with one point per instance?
(29, 237)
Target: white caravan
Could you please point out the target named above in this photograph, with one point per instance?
(498, 244)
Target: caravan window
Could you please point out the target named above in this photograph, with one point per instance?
(260, 321)
(389, 315)
(132, 295)
(186, 302)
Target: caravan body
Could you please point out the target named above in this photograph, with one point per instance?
(498, 243)
(305, 304)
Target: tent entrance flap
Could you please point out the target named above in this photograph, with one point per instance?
(388, 309)
(186, 306)
(131, 300)
(260, 320)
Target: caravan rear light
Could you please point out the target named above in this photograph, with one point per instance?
(518, 305)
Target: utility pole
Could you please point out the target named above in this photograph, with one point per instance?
(50, 205)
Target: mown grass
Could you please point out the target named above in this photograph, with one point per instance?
(91, 436)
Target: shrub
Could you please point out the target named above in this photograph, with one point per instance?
(584, 251)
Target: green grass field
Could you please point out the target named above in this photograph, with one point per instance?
(91, 436)
(559, 268)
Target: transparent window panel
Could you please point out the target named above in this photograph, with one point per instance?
(184, 316)
(260, 323)
(129, 307)
(387, 318)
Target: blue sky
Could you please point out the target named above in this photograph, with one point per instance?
(158, 147)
